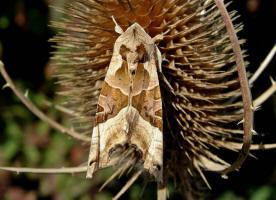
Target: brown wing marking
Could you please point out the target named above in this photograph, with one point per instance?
(147, 135)
(111, 101)
(105, 137)
(148, 103)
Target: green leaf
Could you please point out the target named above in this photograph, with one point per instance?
(229, 195)
(103, 196)
(32, 155)
(58, 148)
(9, 149)
(14, 131)
(4, 22)
(135, 191)
(86, 197)
(38, 99)
(42, 128)
(72, 186)
(171, 188)
(262, 193)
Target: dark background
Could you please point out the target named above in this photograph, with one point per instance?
(25, 50)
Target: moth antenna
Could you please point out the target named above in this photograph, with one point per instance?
(118, 29)
(128, 184)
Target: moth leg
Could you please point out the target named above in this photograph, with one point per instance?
(93, 160)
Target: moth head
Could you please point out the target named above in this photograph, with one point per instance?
(133, 57)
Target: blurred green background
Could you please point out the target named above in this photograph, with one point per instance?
(26, 141)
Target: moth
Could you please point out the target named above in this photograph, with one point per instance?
(129, 110)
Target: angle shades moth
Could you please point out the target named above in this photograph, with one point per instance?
(129, 110)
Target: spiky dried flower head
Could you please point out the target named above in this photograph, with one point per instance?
(197, 61)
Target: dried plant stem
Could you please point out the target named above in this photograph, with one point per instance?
(263, 65)
(262, 146)
(246, 95)
(38, 112)
(60, 108)
(236, 146)
(162, 192)
(65, 170)
(128, 184)
(263, 97)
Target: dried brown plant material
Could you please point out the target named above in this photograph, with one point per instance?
(200, 86)
(202, 79)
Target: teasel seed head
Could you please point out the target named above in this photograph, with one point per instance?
(202, 111)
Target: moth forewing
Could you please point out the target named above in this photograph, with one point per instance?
(129, 110)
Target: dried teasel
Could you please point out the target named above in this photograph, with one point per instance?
(201, 92)
(197, 61)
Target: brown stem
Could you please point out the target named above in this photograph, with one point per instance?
(162, 191)
(61, 108)
(38, 112)
(265, 95)
(246, 94)
(263, 65)
(65, 170)
(128, 184)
